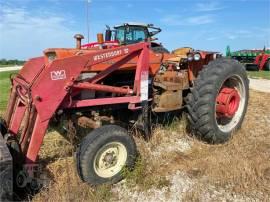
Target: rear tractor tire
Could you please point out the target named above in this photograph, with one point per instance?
(104, 153)
(218, 101)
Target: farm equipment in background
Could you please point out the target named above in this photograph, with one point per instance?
(243, 56)
(112, 87)
(254, 60)
(261, 62)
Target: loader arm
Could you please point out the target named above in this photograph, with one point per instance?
(39, 90)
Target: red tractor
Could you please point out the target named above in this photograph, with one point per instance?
(261, 62)
(113, 86)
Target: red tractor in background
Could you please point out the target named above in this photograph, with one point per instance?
(111, 86)
(261, 62)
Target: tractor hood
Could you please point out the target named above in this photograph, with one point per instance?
(51, 54)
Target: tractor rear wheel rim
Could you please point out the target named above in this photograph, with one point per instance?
(110, 159)
(228, 118)
(228, 101)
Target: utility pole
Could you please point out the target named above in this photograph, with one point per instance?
(87, 18)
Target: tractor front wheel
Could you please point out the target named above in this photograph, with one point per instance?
(218, 101)
(104, 153)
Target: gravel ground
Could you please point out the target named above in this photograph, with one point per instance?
(180, 184)
(262, 85)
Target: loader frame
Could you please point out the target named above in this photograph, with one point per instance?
(40, 90)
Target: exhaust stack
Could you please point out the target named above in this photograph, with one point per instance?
(78, 38)
(100, 38)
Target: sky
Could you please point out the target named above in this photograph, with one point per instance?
(27, 27)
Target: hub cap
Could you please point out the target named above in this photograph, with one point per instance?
(110, 159)
(230, 103)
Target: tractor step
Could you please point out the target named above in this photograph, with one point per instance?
(6, 172)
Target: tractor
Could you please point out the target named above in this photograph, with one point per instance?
(261, 62)
(112, 87)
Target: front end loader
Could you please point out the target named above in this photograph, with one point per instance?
(113, 89)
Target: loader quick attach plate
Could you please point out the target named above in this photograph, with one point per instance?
(6, 172)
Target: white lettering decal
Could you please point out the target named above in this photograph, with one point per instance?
(109, 54)
(144, 85)
(126, 50)
(58, 75)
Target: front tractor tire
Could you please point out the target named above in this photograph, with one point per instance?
(104, 153)
(218, 101)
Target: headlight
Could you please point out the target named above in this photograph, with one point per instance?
(190, 57)
(51, 56)
(197, 56)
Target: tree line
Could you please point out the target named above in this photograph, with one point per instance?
(11, 62)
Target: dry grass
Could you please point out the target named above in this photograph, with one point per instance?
(259, 74)
(240, 167)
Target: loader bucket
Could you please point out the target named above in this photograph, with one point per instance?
(6, 171)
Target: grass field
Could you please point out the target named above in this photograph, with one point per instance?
(6, 65)
(173, 166)
(4, 88)
(259, 74)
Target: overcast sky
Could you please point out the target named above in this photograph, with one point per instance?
(29, 26)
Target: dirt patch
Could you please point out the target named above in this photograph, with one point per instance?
(262, 85)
